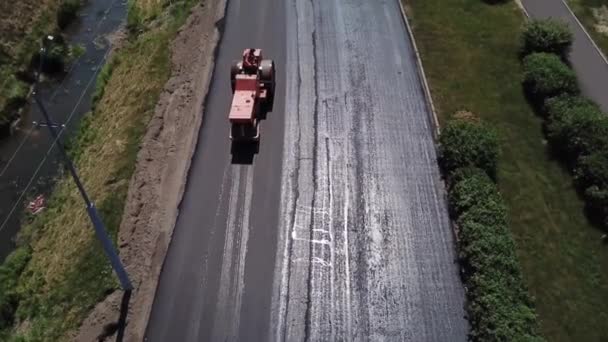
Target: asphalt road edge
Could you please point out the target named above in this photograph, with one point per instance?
(420, 67)
(159, 181)
(429, 99)
(137, 331)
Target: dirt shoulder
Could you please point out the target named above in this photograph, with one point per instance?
(162, 167)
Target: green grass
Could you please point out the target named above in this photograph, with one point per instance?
(67, 273)
(597, 26)
(470, 53)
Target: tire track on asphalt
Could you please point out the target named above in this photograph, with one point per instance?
(216, 281)
(379, 266)
(364, 250)
(231, 284)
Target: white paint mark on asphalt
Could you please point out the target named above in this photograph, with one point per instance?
(321, 242)
(222, 304)
(314, 260)
(346, 275)
(332, 257)
(359, 164)
(240, 273)
(324, 231)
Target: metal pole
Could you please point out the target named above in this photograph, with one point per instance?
(98, 225)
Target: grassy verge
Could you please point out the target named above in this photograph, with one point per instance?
(22, 25)
(60, 271)
(470, 52)
(593, 14)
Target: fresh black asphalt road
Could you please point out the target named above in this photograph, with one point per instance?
(338, 230)
(216, 280)
(590, 66)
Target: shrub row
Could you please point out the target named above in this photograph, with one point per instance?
(578, 132)
(576, 128)
(499, 306)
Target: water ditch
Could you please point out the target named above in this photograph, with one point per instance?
(29, 161)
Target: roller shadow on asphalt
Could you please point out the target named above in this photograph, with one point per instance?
(243, 154)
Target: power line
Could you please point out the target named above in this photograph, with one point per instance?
(48, 152)
(10, 161)
(55, 92)
(98, 226)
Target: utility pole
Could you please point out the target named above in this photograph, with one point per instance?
(98, 225)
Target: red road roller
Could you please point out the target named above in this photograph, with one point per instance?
(253, 81)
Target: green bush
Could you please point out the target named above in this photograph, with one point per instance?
(462, 174)
(562, 104)
(499, 314)
(546, 35)
(10, 271)
(545, 75)
(576, 127)
(593, 170)
(16, 92)
(470, 189)
(492, 212)
(466, 143)
(597, 203)
(499, 306)
(591, 176)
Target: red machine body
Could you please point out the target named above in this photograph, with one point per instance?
(253, 81)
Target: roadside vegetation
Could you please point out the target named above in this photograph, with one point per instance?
(475, 61)
(498, 304)
(593, 14)
(59, 271)
(576, 128)
(22, 25)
